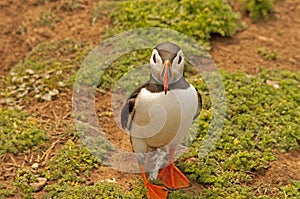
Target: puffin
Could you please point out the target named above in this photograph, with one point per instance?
(159, 113)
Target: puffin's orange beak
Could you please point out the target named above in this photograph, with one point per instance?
(167, 75)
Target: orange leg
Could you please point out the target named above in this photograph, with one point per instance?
(154, 191)
(171, 176)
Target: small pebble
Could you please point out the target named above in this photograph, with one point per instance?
(273, 83)
(35, 165)
(41, 182)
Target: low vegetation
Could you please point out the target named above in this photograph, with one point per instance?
(19, 132)
(258, 9)
(197, 18)
(47, 70)
(267, 54)
(257, 122)
(262, 117)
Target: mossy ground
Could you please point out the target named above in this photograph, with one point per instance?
(263, 115)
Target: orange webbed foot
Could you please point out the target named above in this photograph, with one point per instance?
(173, 178)
(156, 192)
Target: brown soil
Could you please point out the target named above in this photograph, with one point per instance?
(281, 34)
(19, 34)
(282, 171)
(20, 31)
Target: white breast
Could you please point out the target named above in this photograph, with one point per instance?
(164, 119)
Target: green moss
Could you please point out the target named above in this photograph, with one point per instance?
(197, 18)
(291, 191)
(260, 118)
(180, 195)
(70, 162)
(22, 181)
(258, 9)
(267, 54)
(101, 190)
(19, 132)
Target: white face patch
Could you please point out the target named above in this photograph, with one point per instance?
(156, 65)
(178, 66)
(155, 58)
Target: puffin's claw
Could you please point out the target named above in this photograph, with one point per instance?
(156, 192)
(173, 178)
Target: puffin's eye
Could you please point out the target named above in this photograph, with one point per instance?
(179, 59)
(154, 58)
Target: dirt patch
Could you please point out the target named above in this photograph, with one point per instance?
(110, 123)
(282, 171)
(280, 34)
(108, 174)
(23, 25)
(285, 169)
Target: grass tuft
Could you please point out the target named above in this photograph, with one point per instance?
(70, 162)
(291, 191)
(267, 54)
(19, 132)
(258, 9)
(47, 18)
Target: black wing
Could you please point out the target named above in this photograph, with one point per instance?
(128, 108)
(199, 105)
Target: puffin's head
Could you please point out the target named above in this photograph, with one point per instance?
(167, 63)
